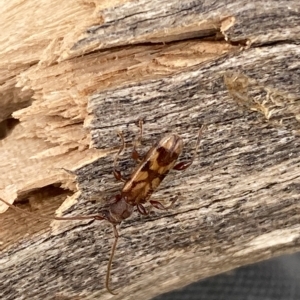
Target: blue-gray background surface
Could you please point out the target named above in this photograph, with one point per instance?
(275, 279)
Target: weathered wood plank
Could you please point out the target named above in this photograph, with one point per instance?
(143, 22)
(239, 202)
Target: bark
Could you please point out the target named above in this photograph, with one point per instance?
(73, 74)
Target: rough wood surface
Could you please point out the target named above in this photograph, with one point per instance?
(72, 74)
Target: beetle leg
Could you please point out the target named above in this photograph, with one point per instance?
(183, 165)
(186, 163)
(135, 155)
(142, 210)
(159, 205)
(116, 171)
(118, 175)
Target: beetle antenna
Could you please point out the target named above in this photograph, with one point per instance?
(112, 253)
(49, 218)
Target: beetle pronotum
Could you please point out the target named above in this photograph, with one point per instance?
(137, 190)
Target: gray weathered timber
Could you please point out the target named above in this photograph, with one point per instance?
(143, 21)
(239, 202)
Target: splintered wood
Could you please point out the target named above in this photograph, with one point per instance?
(74, 74)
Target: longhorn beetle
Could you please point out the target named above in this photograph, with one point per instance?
(137, 190)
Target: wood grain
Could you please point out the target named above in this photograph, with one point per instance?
(75, 74)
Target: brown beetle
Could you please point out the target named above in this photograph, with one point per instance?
(137, 190)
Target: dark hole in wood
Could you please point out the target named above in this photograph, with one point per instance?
(24, 201)
(7, 126)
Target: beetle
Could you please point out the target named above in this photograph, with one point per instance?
(137, 190)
